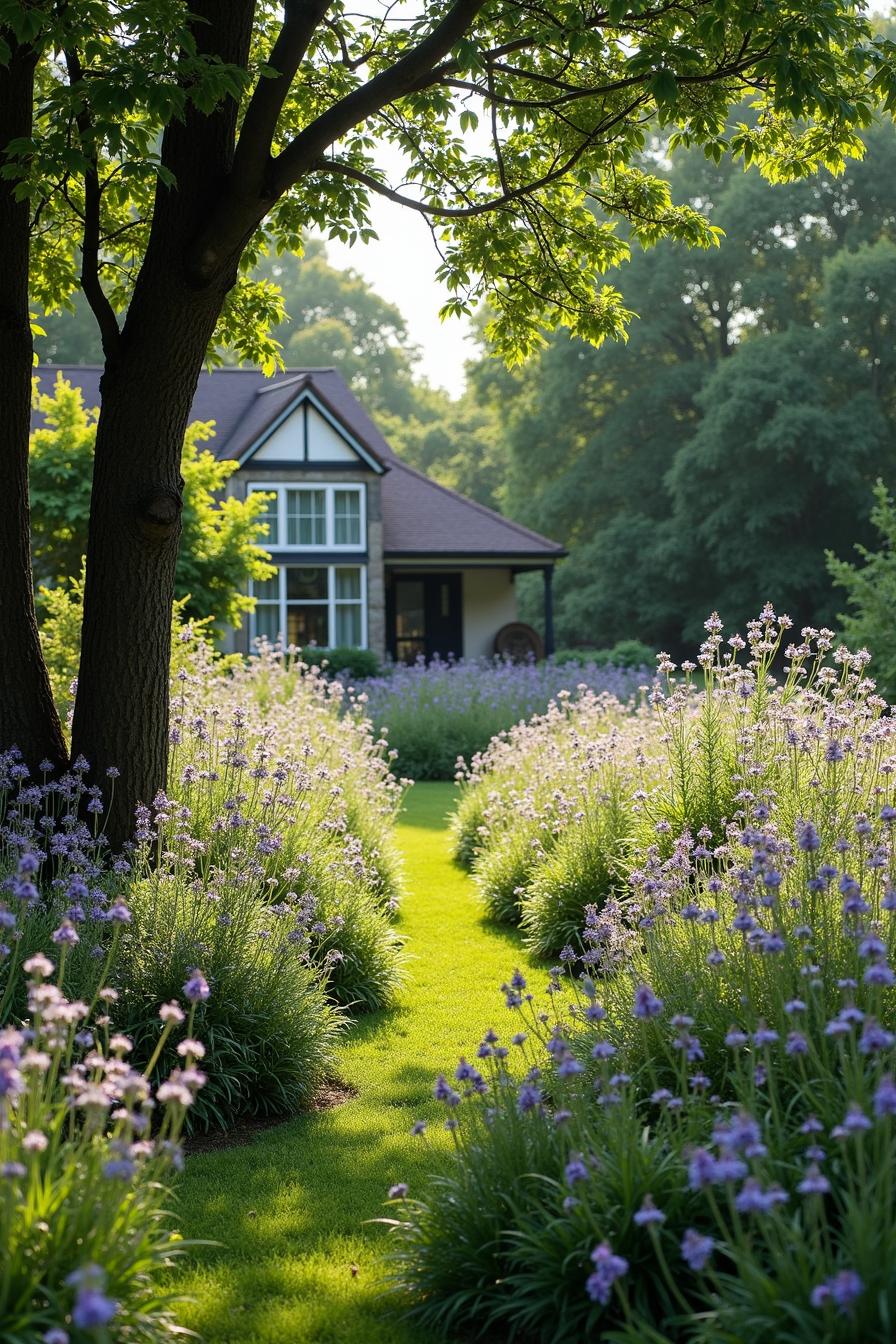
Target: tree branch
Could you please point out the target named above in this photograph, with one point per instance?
(252, 155)
(306, 148)
(96, 296)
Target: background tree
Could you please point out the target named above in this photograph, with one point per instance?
(710, 460)
(175, 143)
(870, 592)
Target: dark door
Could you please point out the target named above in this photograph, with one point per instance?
(426, 616)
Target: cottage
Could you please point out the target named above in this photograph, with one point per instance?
(370, 552)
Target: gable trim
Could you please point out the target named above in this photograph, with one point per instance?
(304, 399)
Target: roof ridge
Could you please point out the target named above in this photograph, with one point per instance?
(480, 508)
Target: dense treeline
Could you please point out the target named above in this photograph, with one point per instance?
(710, 461)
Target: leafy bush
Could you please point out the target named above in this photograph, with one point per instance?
(629, 653)
(438, 713)
(340, 662)
(678, 1145)
(870, 590)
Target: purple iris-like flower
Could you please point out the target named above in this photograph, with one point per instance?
(796, 1044)
(648, 1213)
(701, 1169)
(875, 1038)
(398, 1191)
(608, 1267)
(885, 1096)
(196, 988)
(528, 1097)
(696, 1249)
(646, 1003)
(575, 1170)
(842, 1289)
(443, 1091)
(814, 1183)
(807, 837)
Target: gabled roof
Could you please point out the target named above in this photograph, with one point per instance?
(420, 517)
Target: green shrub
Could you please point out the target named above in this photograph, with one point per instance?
(338, 661)
(626, 653)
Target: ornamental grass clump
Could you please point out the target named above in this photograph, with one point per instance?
(692, 1134)
(87, 1148)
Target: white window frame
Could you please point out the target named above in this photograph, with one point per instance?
(279, 488)
(331, 602)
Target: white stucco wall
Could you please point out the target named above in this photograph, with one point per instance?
(489, 603)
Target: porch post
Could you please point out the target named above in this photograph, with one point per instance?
(548, 575)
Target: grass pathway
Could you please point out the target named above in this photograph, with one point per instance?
(297, 1264)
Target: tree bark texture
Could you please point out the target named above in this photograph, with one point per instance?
(121, 709)
(28, 717)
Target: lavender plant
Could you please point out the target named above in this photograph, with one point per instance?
(438, 712)
(678, 1142)
(87, 1147)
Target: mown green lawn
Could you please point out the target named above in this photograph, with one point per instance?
(298, 1263)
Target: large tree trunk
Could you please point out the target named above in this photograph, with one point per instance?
(121, 708)
(28, 718)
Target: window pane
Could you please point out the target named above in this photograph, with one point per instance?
(306, 584)
(348, 585)
(306, 518)
(409, 617)
(267, 590)
(270, 517)
(306, 625)
(347, 517)
(348, 627)
(266, 622)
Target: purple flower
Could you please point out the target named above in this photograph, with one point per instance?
(842, 1289)
(607, 1269)
(814, 1183)
(701, 1169)
(443, 1091)
(575, 1170)
(646, 1003)
(398, 1191)
(874, 1038)
(55, 1335)
(696, 1249)
(752, 1198)
(527, 1097)
(885, 1096)
(92, 1309)
(196, 988)
(648, 1213)
(807, 837)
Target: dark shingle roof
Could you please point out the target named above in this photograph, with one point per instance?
(420, 517)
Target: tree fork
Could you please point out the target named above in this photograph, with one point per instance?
(28, 717)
